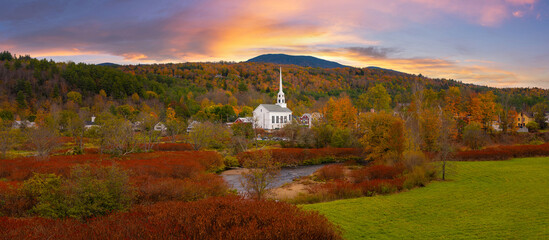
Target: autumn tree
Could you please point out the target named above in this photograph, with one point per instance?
(74, 96)
(382, 136)
(341, 113)
(208, 134)
(430, 129)
(483, 109)
(174, 126)
(473, 136)
(135, 98)
(508, 121)
(376, 97)
(243, 133)
(260, 176)
(323, 133)
(539, 114)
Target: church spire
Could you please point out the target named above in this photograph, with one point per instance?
(280, 87)
(280, 101)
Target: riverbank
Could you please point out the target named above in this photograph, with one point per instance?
(288, 184)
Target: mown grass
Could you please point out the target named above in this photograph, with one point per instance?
(483, 200)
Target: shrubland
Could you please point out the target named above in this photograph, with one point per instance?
(213, 218)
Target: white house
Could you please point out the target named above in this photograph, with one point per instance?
(191, 126)
(23, 124)
(90, 124)
(273, 116)
(160, 127)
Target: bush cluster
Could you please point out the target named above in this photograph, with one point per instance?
(504, 152)
(213, 218)
(50, 189)
(301, 156)
(366, 181)
(88, 191)
(172, 147)
(331, 172)
(159, 164)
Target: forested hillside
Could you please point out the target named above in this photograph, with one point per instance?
(29, 86)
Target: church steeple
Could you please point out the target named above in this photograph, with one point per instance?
(280, 101)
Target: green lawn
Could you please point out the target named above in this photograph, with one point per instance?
(486, 200)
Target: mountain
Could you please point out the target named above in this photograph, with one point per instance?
(384, 69)
(303, 61)
(108, 64)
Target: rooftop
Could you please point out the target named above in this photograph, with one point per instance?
(275, 108)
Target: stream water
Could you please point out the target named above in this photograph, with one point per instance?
(286, 175)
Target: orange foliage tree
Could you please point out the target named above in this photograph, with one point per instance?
(341, 113)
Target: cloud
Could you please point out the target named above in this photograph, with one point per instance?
(469, 71)
(518, 14)
(372, 51)
(206, 30)
(167, 31)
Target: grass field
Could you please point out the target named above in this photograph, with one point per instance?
(483, 200)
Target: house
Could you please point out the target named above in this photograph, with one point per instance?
(309, 118)
(160, 127)
(273, 116)
(244, 120)
(191, 126)
(23, 124)
(496, 123)
(90, 124)
(523, 119)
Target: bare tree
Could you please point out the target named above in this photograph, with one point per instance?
(148, 122)
(76, 127)
(117, 136)
(445, 141)
(43, 140)
(261, 174)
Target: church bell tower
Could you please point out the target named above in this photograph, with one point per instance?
(281, 101)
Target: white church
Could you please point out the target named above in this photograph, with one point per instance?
(273, 116)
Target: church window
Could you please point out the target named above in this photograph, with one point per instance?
(273, 119)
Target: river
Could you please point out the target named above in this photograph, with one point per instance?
(286, 175)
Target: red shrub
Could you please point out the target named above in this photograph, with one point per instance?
(380, 186)
(173, 147)
(338, 189)
(376, 172)
(303, 156)
(12, 202)
(504, 152)
(158, 176)
(331, 172)
(152, 190)
(182, 164)
(214, 218)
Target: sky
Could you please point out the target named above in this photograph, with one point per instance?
(499, 43)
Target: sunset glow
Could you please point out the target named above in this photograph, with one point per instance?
(499, 43)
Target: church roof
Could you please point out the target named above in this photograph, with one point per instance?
(275, 108)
